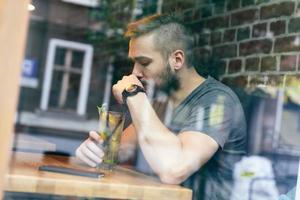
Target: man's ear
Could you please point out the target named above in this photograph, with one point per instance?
(177, 59)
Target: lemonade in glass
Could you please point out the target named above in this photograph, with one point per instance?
(110, 129)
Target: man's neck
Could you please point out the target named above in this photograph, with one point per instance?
(189, 81)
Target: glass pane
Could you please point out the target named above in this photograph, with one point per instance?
(60, 56)
(55, 89)
(77, 59)
(251, 46)
(64, 98)
(73, 92)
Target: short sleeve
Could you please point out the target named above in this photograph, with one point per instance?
(214, 117)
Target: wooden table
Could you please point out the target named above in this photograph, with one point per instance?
(122, 183)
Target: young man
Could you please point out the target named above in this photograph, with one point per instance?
(207, 132)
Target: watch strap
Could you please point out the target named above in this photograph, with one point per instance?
(131, 90)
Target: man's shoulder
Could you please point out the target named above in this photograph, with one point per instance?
(214, 84)
(212, 90)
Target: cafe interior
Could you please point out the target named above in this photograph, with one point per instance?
(60, 59)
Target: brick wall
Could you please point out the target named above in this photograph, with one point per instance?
(258, 41)
(258, 44)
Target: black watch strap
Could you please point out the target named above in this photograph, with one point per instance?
(131, 90)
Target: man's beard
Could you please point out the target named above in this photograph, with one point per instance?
(170, 81)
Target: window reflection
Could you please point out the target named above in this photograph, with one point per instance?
(253, 47)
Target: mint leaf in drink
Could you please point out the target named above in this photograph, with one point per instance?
(102, 108)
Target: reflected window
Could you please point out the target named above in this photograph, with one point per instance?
(66, 76)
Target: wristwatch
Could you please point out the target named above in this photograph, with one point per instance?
(131, 90)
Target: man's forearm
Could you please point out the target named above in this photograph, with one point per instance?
(161, 148)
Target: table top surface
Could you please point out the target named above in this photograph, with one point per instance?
(122, 183)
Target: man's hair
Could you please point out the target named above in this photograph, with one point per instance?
(169, 32)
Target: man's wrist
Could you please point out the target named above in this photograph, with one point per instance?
(131, 91)
(136, 99)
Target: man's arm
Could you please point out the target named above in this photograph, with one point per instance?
(173, 158)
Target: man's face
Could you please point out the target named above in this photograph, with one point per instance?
(149, 64)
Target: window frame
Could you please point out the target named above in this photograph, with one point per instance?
(85, 78)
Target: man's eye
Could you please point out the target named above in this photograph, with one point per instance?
(144, 64)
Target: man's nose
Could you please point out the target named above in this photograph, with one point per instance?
(137, 71)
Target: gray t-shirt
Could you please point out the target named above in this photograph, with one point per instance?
(213, 109)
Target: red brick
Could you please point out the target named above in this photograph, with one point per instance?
(233, 4)
(196, 14)
(243, 33)
(287, 44)
(278, 27)
(225, 51)
(247, 3)
(183, 5)
(252, 64)
(229, 35)
(202, 53)
(288, 63)
(217, 22)
(259, 30)
(244, 17)
(277, 10)
(222, 67)
(206, 11)
(294, 25)
(203, 39)
(268, 63)
(256, 46)
(226, 81)
(219, 7)
(216, 38)
(234, 66)
(188, 15)
(197, 26)
(262, 1)
(239, 81)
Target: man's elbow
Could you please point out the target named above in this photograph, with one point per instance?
(170, 180)
(173, 177)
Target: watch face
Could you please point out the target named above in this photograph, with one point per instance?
(131, 88)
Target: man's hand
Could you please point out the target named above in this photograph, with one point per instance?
(90, 151)
(119, 87)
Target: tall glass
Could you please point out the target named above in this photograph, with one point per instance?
(110, 129)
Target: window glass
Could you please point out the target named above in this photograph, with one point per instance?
(76, 51)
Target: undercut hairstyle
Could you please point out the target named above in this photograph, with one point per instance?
(169, 32)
